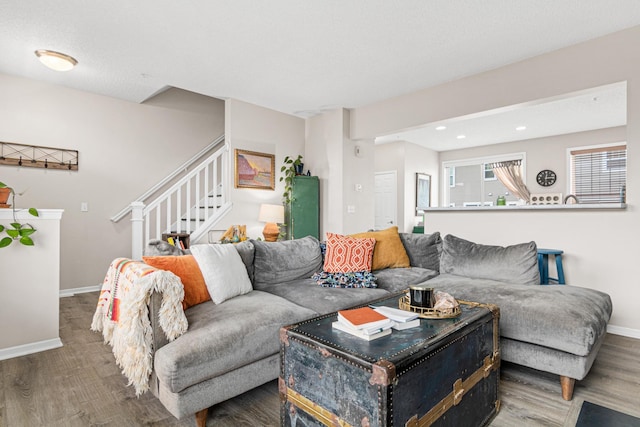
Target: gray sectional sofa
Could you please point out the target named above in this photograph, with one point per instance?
(233, 347)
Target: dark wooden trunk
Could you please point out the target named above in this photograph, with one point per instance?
(443, 373)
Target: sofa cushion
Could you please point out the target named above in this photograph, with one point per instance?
(389, 251)
(306, 293)
(513, 264)
(399, 279)
(563, 317)
(186, 268)
(276, 262)
(223, 270)
(225, 337)
(346, 254)
(247, 253)
(423, 249)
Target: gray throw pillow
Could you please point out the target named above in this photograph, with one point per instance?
(516, 264)
(423, 249)
(278, 262)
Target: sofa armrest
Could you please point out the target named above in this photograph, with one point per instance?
(159, 339)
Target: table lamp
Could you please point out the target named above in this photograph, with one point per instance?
(272, 215)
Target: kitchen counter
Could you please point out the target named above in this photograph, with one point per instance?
(572, 207)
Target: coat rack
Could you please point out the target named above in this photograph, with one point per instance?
(35, 156)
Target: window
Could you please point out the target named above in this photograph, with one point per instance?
(599, 173)
(472, 182)
(488, 173)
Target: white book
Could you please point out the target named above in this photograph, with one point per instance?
(396, 314)
(399, 326)
(388, 324)
(369, 325)
(357, 333)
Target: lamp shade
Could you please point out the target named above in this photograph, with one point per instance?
(271, 213)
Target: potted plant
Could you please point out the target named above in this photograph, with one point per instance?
(289, 169)
(16, 230)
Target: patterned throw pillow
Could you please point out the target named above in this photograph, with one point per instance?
(360, 279)
(347, 254)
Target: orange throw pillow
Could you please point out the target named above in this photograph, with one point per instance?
(347, 254)
(186, 268)
(389, 251)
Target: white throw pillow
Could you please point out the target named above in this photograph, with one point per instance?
(223, 270)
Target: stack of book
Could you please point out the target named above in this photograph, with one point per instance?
(365, 323)
(403, 319)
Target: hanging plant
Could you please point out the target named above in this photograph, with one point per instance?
(16, 230)
(288, 169)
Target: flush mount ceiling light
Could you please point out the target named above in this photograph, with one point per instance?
(55, 60)
(521, 128)
(461, 136)
(441, 128)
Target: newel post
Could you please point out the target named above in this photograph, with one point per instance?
(137, 222)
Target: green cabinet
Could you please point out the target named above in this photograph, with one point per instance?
(303, 214)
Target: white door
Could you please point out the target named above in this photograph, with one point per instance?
(386, 199)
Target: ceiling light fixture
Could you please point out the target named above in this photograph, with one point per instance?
(521, 128)
(55, 60)
(441, 128)
(461, 136)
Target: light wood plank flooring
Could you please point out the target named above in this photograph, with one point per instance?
(80, 385)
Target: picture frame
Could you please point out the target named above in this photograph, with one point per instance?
(423, 191)
(254, 170)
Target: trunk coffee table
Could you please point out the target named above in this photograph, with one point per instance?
(444, 372)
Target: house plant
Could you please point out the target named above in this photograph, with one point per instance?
(289, 168)
(16, 230)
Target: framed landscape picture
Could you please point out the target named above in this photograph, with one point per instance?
(254, 170)
(423, 191)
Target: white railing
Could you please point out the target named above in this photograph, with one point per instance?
(192, 205)
(179, 170)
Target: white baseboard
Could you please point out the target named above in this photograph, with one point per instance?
(625, 332)
(35, 347)
(71, 292)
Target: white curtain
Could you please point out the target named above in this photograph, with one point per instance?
(510, 175)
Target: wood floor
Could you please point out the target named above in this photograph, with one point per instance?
(80, 385)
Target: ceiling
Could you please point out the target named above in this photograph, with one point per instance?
(298, 57)
(596, 108)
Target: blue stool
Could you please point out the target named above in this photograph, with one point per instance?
(543, 266)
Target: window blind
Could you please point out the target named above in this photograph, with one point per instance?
(599, 175)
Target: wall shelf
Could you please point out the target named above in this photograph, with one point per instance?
(35, 156)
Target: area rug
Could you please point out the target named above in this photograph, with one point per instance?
(592, 415)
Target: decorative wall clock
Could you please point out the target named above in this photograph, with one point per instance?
(546, 178)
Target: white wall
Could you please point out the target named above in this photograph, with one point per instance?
(601, 245)
(357, 172)
(407, 159)
(125, 148)
(324, 157)
(254, 128)
(30, 284)
(330, 154)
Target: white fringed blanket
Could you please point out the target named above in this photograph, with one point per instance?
(123, 315)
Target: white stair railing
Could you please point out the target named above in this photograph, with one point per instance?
(167, 179)
(192, 205)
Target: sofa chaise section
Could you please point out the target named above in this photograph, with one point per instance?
(552, 328)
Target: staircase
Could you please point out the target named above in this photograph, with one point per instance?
(191, 205)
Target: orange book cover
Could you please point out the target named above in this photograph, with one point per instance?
(359, 317)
